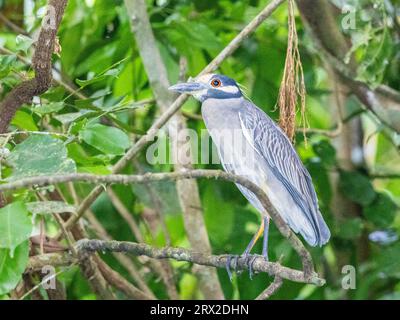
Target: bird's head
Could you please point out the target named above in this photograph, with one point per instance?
(214, 86)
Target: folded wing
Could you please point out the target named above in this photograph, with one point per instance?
(271, 143)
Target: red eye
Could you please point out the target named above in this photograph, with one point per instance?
(215, 83)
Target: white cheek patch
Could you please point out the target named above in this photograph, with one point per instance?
(200, 94)
(229, 89)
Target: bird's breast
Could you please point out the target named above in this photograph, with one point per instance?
(237, 155)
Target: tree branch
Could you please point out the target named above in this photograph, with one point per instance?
(41, 63)
(180, 254)
(127, 263)
(190, 174)
(271, 289)
(165, 271)
(119, 282)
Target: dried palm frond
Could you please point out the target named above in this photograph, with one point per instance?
(292, 88)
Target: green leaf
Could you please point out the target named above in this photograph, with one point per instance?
(188, 286)
(23, 43)
(197, 34)
(350, 229)
(67, 118)
(95, 170)
(382, 211)
(77, 126)
(110, 73)
(40, 155)
(321, 181)
(49, 108)
(388, 260)
(218, 214)
(356, 187)
(86, 103)
(325, 151)
(108, 140)
(50, 207)
(80, 156)
(24, 121)
(6, 64)
(15, 225)
(12, 268)
(376, 59)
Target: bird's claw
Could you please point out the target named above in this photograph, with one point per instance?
(228, 265)
(250, 261)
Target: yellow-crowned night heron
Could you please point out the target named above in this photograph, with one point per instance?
(250, 144)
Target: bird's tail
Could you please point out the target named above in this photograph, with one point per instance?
(316, 233)
(323, 231)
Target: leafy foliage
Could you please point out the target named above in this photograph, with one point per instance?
(12, 266)
(15, 226)
(108, 140)
(357, 187)
(87, 121)
(40, 155)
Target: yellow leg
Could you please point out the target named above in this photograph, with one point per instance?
(253, 241)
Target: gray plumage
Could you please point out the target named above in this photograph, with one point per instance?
(250, 144)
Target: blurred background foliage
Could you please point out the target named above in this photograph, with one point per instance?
(359, 195)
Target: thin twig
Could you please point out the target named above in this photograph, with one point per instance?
(123, 260)
(13, 27)
(329, 133)
(384, 175)
(165, 270)
(119, 282)
(45, 280)
(43, 133)
(157, 204)
(271, 289)
(125, 214)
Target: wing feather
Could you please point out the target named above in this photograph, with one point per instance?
(272, 144)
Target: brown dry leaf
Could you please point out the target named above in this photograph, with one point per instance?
(292, 85)
(57, 47)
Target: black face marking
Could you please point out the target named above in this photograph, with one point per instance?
(219, 94)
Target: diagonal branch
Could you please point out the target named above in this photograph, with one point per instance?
(164, 270)
(101, 233)
(41, 63)
(271, 289)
